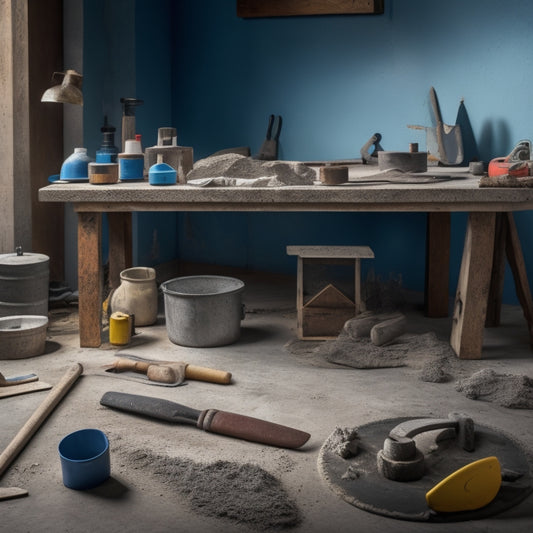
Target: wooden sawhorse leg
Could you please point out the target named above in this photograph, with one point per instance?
(507, 244)
(473, 286)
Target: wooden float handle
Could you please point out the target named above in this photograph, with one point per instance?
(199, 373)
(202, 373)
(124, 364)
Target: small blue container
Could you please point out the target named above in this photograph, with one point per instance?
(84, 457)
(76, 166)
(162, 174)
(131, 167)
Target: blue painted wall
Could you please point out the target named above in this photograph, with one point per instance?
(335, 80)
(127, 53)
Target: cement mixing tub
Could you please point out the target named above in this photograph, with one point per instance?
(22, 336)
(203, 311)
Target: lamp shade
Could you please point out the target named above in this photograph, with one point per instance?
(68, 92)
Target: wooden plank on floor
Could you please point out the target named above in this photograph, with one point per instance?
(90, 282)
(436, 294)
(473, 286)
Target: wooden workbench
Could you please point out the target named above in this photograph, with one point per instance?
(437, 198)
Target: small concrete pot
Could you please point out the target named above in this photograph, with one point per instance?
(137, 295)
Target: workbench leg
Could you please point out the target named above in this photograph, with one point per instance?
(436, 294)
(300, 296)
(120, 248)
(473, 286)
(494, 305)
(90, 278)
(359, 306)
(518, 268)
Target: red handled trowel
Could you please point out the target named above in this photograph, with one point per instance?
(211, 420)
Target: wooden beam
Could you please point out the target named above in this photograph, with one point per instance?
(15, 204)
(288, 8)
(518, 268)
(473, 286)
(45, 54)
(120, 248)
(90, 282)
(436, 294)
(300, 296)
(494, 305)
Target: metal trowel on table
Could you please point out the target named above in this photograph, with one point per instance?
(444, 142)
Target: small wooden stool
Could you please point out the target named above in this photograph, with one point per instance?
(323, 316)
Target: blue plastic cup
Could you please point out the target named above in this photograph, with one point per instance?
(84, 458)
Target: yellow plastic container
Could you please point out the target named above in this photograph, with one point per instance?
(120, 328)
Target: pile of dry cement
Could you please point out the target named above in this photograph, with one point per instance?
(408, 348)
(507, 390)
(235, 170)
(361, 353)
(244, 493)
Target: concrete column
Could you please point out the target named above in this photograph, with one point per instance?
(15, 184)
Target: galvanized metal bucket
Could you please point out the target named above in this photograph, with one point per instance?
(24, 281)
(203, 311)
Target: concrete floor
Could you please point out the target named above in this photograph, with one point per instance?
(269, 383)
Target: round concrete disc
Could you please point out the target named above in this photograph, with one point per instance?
(357, 480)
(404, 161)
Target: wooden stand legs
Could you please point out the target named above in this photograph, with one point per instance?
(120, 252)
(436, 293)
(490, 237)
(473, 286)
(90, 277)
(507, 245)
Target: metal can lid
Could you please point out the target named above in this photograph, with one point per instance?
(20, 258)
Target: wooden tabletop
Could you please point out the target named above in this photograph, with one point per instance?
(440, 189)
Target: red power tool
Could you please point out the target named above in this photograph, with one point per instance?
(515, 164)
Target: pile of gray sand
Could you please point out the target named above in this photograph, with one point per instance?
(243, 493)
(361, 353)
(507, 390)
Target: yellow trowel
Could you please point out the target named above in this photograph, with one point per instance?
(471, 487)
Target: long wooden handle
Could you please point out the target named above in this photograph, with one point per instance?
(202, 373)
(39, 416)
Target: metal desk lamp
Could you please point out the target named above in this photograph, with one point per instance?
(68, 92)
